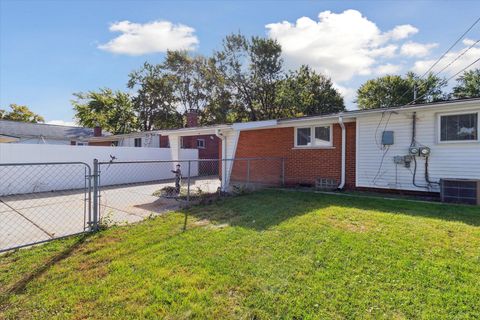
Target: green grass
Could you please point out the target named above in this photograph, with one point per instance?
(271, 254)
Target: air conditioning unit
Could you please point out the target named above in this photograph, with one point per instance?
(465, 191)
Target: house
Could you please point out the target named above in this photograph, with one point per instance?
(207, 144)
(40, 133)
(409, 148)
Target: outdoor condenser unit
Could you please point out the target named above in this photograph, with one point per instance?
(460, 191)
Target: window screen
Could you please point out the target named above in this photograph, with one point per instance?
(459, 127)
(303, 137)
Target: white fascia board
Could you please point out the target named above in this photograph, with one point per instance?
(195, 131)
(315, 120)
(252, 125)
(439, 106)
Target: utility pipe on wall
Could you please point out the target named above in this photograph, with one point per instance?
(344, 142)
(222, 137)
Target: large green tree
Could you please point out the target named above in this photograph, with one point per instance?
(394, 90)
(252, 69)
(188, 75)
(155, 100)
(113, 111)
(468, 85)
(306, 92)
(20, 113)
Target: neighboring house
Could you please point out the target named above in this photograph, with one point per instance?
(40, 133)
(367, 149)
(150, 139)
(207, 145)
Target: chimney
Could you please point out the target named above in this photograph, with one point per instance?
(97, 131)
(192, 118)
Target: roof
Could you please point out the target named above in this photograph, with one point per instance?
(41, 130)
(351, 114)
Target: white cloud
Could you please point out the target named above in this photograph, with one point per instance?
(151, 37)
(62, 123)
(349, 94)
(341, 45)
(415, 49)
(387, 68)
(467, 58)
(401, 32)
(468, 42)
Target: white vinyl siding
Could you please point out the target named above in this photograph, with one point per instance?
(447, 160)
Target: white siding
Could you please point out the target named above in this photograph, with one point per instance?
(148, 141)
(451, 160)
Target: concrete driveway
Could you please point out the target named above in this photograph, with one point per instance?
(31, 218)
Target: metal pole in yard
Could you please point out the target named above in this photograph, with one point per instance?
(248, 172)
(188, 185)
(95, 194)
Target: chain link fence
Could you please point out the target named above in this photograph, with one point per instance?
(40, 202)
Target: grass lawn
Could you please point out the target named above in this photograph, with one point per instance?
(271, 254)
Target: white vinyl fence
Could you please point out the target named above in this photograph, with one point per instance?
(29, 179)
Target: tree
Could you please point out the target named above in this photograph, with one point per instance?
(306, 92)
(394, 90)
(113, 111)
(20, 113)
(252, 69)
(155, 100)
(187, 73)
(468, 85)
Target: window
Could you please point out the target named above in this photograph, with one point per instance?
(201, 143)
(138, 142)
(459, 127)
(316, 136)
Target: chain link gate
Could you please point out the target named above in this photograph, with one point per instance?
(40, 202)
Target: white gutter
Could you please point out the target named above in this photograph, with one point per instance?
(344, 142)
(220, 135)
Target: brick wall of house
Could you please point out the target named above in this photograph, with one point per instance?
(210, 151)
(101, 143)
(302, 166)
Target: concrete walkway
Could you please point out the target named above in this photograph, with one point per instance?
(32, 218)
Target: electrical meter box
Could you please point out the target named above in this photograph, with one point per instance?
(387, 138)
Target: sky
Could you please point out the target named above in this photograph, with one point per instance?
(52, 49)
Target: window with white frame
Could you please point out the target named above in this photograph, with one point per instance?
(314, 136)
(458, 127)
(201, 143)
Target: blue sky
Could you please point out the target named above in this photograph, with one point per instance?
(51, 49)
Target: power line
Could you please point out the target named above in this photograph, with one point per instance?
(458, 57)
(442, 56)
(456, 74)
(451, 47)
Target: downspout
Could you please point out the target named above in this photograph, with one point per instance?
(220, 135)
(344, 141)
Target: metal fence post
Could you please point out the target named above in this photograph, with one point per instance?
(188, 185)
(283, 172)
(248, 172)
(95, 194)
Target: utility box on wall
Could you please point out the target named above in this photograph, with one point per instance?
(387, 138)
